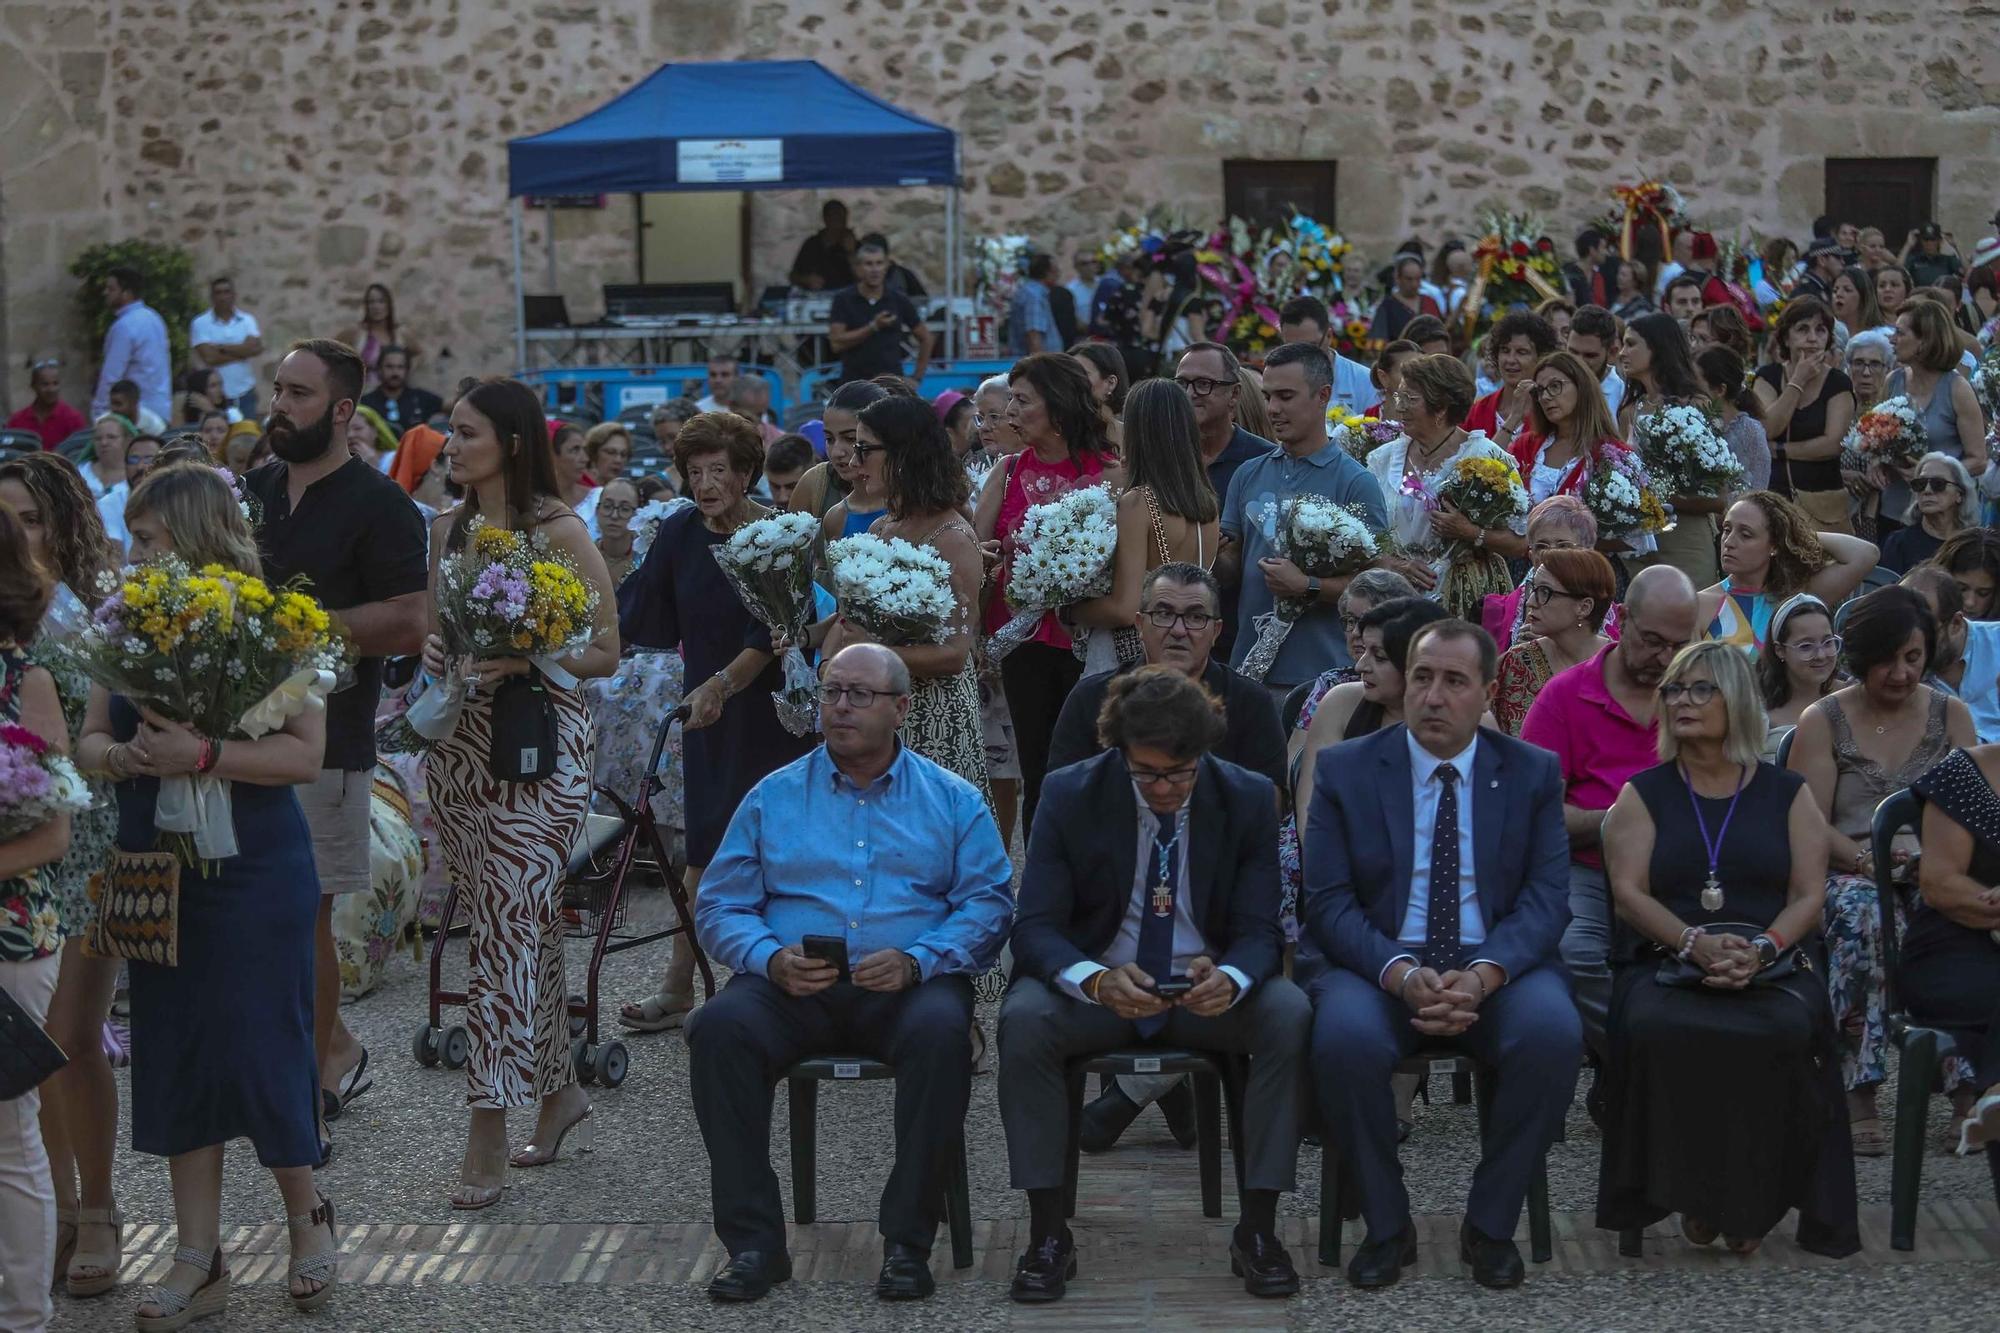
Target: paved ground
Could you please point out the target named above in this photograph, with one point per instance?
(619, 1239)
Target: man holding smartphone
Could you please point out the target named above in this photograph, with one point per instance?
(869, 321)
(856, 894)
(1149, 913)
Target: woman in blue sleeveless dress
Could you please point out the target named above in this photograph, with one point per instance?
(222, 1043)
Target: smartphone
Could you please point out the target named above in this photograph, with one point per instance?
(1172, 988)
(827, 949)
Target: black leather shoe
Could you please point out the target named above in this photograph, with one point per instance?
(1105, 1119)
(1178, 1107)
(906, 1273)
(1263, 1265)
(1495, 1263)
(1378, 1263)
(1045, 1270)
(749, 1276)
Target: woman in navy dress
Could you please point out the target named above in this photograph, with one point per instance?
(680, 599)
(222, 1044)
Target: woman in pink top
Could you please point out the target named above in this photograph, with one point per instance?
(1051, 406)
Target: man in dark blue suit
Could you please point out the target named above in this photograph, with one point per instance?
(1153, 861)
(1437, 889)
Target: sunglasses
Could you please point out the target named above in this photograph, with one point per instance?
(1932, 485)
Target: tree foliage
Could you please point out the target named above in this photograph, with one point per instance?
(170, 289)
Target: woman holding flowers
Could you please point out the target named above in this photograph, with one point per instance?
(680, 598)
(31, 936)
(1050, 406)
(222, 1043)
(1569, 434)
(80, 1107)
(1770, 554)
(507, 843)
(1658, 365)
(1928, 375)
(1419, 470)
(905, 454)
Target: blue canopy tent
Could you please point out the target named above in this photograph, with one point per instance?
(735, 125)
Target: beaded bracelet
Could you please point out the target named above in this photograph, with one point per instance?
(1688, 937)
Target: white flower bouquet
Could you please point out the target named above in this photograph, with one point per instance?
(900, 594)
(1621, 496)
(1986, 382)
(1324, 540)
(1890, 433)
(1684, 454)
(1063, 553)
(769, 565)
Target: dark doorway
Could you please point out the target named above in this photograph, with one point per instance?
(1893, 193)
(1265, 193)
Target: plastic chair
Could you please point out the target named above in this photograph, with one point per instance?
(803, 1080)
(1295, 703)
(1216, 1076)
(1333, 1208)
(1923, 1048)
(16, 441)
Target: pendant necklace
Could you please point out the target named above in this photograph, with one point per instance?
(1163, 878)
(1711, 892)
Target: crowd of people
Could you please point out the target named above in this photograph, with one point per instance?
(1598, 816)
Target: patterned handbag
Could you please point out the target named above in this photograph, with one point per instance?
(138, 901)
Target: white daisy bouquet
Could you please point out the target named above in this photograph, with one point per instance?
(1986, 382)
(1324, 540)
(769, 564)
(1062, 555)
(1684, 454)
(1890, 433)
(899, 593)
(1621, 495)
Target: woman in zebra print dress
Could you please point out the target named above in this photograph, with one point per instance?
(506, 844)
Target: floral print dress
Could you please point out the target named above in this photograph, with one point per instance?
(30, 920)
(92, 833)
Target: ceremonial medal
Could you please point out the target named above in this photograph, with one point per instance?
(1711, 895)
(1711, 892)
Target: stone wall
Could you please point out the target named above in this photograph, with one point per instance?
(311, 147)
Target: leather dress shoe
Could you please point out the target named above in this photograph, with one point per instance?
(906, 1273)
(1378, 1263)
(1105, 1119)
(1262, 1263)
(749, 1276)
(1495, 1263)
(1178, 1107)
(1045, 1270)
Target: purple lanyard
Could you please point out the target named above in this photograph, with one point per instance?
(1715, 847)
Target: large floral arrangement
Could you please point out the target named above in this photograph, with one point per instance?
(1324, 540)
(219, 651)
(1517, 264)
(1622, 496)
(1890, 433)
(1684, 453)
(1487, 492)
(769, 565)
(898, 593)
(1647, 206)
(1062, 555)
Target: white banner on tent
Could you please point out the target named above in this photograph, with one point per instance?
(727, 161)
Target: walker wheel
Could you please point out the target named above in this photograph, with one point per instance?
(425, 1046)
(580, 1054)
(577, 1023)
(609, 1063)
(456, 1048)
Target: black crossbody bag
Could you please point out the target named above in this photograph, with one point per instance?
(27, 1055)
(524, 730)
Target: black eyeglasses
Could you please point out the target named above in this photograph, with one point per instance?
(1542, 594)
(1173, 777)
(1164, 618)
(860, 696)
(1932, 485)
(861, 451)
(1200, 386)
(1696, 692)
(1553, 389)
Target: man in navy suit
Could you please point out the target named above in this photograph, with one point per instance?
(1437, 889)
(1153, 861)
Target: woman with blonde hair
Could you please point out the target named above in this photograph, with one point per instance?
(1251, 412)
(244, 977)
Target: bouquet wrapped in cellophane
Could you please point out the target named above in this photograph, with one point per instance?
(898, 593)
(769, 564)
(1063, 553)
(1359, 436)
(1486, 492)
(1684, 453)
(1890, 433)
(1324, 540)
(36, 785)
(504, 594)
(220, 651)
(1622, 497)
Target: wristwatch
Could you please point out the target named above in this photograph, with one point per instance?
(916, 971)
(1312, 586)
(1767, 950)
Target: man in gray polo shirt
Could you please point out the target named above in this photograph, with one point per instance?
(1298, 382)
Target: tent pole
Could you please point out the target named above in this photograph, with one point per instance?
(951, 273)
(520, 299)
(549, 235)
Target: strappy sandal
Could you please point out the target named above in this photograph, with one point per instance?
(352, 1084)
(471, 1195)
(1869, 1139)
(100, 1269)
(178, 1309)
(65, 1245)
(321, 1268)
(656, 1013)
(531, 1154)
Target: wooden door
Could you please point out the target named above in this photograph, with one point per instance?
(1893, 193)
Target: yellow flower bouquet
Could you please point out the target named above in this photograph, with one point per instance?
(1487, 492)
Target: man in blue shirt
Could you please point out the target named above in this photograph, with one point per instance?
(1031, 320)
(135, 347)
(1298, 380)
(874, 845)
(1304, 319)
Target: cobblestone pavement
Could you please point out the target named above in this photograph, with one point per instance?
(619, 1239)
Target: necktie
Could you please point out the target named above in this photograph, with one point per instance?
(1156, 913)
(1441, 945)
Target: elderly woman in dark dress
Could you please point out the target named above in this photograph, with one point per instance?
(680, 599)
(1723, 1091)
